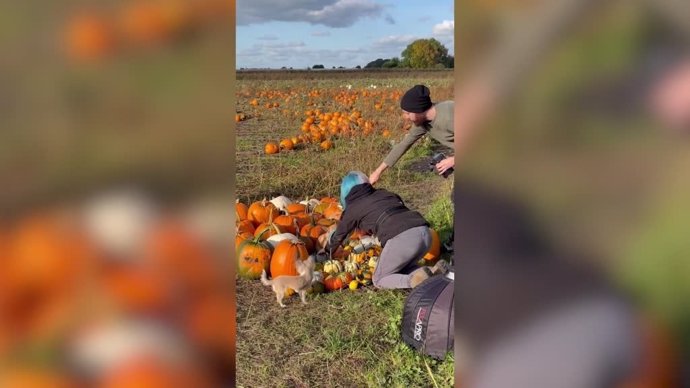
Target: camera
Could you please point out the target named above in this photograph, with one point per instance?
(435, 160)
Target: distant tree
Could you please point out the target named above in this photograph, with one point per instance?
(340, 67)
(375, 64)
(450, 62)
(424, 53)
(290, 67)
(317, 67)
(358, 67)
(283, 68)
(393, 62)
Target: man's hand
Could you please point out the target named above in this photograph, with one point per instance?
(445, 164)
(374, 176)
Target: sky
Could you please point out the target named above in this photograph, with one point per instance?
(303, 33)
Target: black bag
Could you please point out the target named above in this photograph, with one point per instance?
(429, 316)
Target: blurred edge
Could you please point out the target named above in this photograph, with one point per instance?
(553, 113)
(89, 118)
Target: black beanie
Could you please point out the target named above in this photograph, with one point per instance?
(416, 100)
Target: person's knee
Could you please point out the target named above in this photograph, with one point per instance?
(376, 280)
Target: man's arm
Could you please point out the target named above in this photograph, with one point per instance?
(397, 152)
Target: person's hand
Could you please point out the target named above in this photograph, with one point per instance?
(374, 177)
(445, 164)
(321, 256)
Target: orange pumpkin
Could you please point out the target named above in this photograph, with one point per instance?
(303, 219)
(326, 145)
(150, 372)
(246, 226)
(241, 210)
(287, 223)
(143, 23)
(182, 256)
(42, 257)
(325, 222)
(136, 289)
(435, 249)
(312, 231)
(296, 208)
(207, 322)
(271, 148)
(266, 230)
(337, 281)
(239, 239)
(89, 37)
(332, 212)
(253, 256)
(330, 200)
(284, 257)
(261, 211)
(287, 144)
(35, 377)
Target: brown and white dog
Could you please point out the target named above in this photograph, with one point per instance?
(299, 283)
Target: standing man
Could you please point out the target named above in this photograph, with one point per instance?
(435, 119)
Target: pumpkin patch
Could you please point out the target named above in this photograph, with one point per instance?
(354, 262)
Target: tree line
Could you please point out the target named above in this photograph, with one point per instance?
(420, 54)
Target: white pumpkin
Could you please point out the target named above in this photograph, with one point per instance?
(119, 221)
(276, 238)
(351, 266)
(310, 204)
(281, 202)
(332, 267)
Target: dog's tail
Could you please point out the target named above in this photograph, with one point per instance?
(264, 279)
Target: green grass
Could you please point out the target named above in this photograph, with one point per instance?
(341, 339)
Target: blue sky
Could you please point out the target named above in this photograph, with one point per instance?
(302, 33)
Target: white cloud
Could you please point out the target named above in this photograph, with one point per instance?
(332, 13)
(445, 28)
(394, 41)
(267, 37)
(286, 45)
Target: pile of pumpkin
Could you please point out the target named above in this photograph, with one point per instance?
(78, 289)
(93, 35)
(273, 235)
(322, 127)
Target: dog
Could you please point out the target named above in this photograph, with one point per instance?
(299, 283)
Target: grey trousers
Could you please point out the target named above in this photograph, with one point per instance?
(588, 344)
(399, 257)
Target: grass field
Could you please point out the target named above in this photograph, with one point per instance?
(346, 338)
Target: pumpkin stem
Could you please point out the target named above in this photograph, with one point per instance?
(257, 239)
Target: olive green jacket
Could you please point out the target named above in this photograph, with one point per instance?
(440, 128)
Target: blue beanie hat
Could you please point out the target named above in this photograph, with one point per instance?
(352, 179)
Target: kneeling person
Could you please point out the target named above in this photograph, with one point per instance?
(404, 234)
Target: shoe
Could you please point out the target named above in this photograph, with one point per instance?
(441, 267)
(419, 275)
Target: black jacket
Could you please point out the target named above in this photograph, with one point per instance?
(376, 211)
